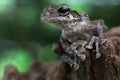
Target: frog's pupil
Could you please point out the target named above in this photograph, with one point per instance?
(63, 9)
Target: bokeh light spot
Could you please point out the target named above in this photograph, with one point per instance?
(17, 57)
(6, 5)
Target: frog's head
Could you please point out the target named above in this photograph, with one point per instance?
(63, 17)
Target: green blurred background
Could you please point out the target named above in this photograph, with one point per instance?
(24, 38)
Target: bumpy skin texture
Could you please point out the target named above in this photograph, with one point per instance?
(77, 30)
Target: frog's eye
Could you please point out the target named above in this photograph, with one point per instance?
(63, 10)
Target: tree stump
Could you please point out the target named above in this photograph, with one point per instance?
(107, 67)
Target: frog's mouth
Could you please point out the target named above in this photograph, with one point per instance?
(61, 22)
(66, 22)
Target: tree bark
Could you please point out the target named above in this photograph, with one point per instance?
(107, 67)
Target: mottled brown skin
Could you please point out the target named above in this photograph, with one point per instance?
(77, 29)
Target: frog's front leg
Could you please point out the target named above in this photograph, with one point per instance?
(95, 40)
(72, 63)
(97, 45)
(69, 57)
(74, 47)
(90, 45)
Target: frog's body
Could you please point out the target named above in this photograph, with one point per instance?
(76, 27)
(85, 32)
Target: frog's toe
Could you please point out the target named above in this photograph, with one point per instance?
(89, 47)
(83, 57)
(98, 55)
(76, 66)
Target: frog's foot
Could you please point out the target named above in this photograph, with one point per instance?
(72, 63)
(97, 44)
(74, 47)
(98, 55)
(75, 66)
(82, 57)
(90, 45)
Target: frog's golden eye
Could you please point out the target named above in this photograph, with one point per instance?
(63, 10)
